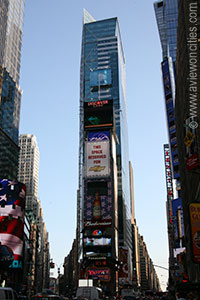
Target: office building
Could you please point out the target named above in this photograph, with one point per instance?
(28, 170)
(104, 186)
(11, 23)
(187, 112)
(166, 12)
(12, 14)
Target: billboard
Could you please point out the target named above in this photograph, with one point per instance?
(100, 77)
(98, 203)
(12, 210)
(97, 254)
(195, 230)
(97, 241)
(169, 91)
(102, 274)
(98, 136)
(177, 212)
(97, 159)
(169, 186)
(98, 114)
(191, 145)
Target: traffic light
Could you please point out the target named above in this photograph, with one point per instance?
(52, 265)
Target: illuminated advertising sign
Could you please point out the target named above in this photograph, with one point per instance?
(98, 136)
(102, 274)
(191, 145)
(98, 203)
(97, 159)
(100, 77)
(168, 174)
(177, 213)
(98, 114)
(95, 255)
(97, 242)
(169, 90)
(12, 210)
(195, 230)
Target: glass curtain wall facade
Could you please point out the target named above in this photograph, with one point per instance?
(12, 36)
(11, 23)
(102, 81)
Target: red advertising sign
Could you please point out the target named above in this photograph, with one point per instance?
(192, 162)
(195, 230)
(102, 274)
(168, 173)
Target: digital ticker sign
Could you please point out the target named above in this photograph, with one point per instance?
(98, 114)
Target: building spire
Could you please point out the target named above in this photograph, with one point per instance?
(87, 18)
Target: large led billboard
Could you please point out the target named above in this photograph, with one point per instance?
(12, 210)
(169, 90)
(97, 159)
(92, 242)
(102, 274)
(98, 203)
(191, 145)
(98, 114)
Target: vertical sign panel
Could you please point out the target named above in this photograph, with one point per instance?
(97, 159)
(195, 230)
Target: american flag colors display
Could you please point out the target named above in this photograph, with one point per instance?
(12, 211)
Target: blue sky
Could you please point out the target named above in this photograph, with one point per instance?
(50, 69)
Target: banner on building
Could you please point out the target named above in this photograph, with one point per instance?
(195, 230)
(124, 265)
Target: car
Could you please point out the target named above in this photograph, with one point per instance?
(7, 293)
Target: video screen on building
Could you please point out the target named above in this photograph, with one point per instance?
(12, 210)
(100, 186)
(97, 254)
(97, 241)
(98, 201)
(98, 114)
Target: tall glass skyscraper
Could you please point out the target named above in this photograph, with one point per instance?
(167, 20)
(103, 120)
(166, 12)
(11, 23)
